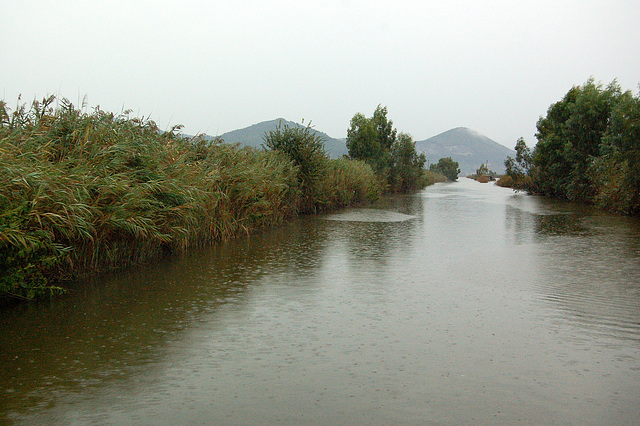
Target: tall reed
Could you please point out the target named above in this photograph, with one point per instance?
(85, 192)
(88, 192)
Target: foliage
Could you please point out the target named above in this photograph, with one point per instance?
(306, 150)
(447, 167)
(407, 167)
(618, 166)
(430, 177)
(569, 138)
(393, 157)
(588, 150)
(518, 169)
(506, 181)
(483, 170)
(363, 143)
(86, 192)
(347, 182)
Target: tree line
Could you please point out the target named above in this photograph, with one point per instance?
(393, 155)
(588, 150)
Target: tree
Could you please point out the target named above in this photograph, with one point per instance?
(384, 128)
(618, 167)
(483, 170)
(588, 150)
(568, 139)
(518, 169)
(393, 158)
(447, 167)
(407, 166)
(306, 150)
(370, 139)
(362, 141)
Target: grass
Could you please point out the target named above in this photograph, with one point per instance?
(86, 192)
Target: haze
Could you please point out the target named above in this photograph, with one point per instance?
(493, 66)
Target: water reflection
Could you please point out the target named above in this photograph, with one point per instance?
(588, 263)
(110, 328)
(512, 307)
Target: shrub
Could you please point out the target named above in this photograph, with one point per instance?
(306, 150)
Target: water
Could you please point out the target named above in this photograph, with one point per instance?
(463, 304)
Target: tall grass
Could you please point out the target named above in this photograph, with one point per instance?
(347, 182)
(430, 177)
(85, 192)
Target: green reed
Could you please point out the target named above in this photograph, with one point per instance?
(86, 192)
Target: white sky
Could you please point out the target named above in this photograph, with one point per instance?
(216, 66)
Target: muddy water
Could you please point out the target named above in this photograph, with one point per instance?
(463, 304)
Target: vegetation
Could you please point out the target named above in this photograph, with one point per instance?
(85, 192)
(518, 170)
(307, 153)
(324, 184)
(407, 167)
(393, 157)
(588, 150)
(447, 167)
(483, 170)
(505, 181)
(432, 177)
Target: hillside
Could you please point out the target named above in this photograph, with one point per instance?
(253, 136)
(468, 147)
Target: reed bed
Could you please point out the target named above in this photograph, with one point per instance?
(430, 177)
(87, 192)
(347, 182)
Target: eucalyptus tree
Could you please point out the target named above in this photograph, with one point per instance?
(393, 157)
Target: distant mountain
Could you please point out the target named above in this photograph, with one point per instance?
(253, 136)
(468, 147)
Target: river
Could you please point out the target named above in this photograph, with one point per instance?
(462, 304)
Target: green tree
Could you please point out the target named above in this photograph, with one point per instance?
(518, 169)
(306, 150)
(407, 166)
(618, 166)
(569, 138)
(394, 159)
(384, 127)
(370, 140)
(483, 170)
(362, 141)
(588, 150)
(447, 167)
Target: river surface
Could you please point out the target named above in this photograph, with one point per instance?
(461, 304)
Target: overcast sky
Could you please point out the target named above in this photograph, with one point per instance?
(216, 66)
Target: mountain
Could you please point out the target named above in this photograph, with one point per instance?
(253, 136)
(468, 147)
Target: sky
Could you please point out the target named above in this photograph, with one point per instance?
(217, 66)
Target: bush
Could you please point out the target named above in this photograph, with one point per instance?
(306, 150)
(447, 167)
(505, 181)
(347, 182)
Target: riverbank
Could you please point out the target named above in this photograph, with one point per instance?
(88, 192)
(587, 150)
(520, 299)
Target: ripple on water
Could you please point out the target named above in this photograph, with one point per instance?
(369, 215)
